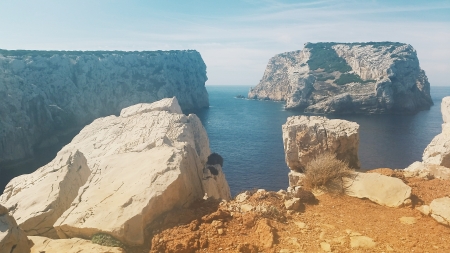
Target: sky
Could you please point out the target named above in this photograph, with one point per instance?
(235, 38)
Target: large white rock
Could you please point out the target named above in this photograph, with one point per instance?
(12, 238)
(440, 210)
(38, 199)
(426, 170)
(383, 190)
(143, 163)
(305, 137)
(73, 245)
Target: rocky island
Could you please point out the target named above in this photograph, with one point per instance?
(45, 95)
(373, 77)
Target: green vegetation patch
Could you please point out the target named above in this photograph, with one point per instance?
(42, 53)
(106, 240)
(324, 78)
(350, 78)
(323, 56)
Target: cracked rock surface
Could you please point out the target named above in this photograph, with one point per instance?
(146, 161)
(12, 238)
(306, 136)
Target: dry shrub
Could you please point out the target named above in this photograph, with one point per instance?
(326, 172)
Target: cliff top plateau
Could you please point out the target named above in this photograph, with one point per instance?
(329, 77)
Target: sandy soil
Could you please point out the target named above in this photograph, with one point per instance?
(330, 224)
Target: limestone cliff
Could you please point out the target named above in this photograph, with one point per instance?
(373, 77)
(43, 94)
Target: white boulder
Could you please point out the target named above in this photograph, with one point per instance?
(383, 190)
(38, 199)
(12, 238)
(440, 210)
(305, 137)
(143, 163)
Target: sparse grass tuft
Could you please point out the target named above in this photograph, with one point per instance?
(106, 240)
(326, 172)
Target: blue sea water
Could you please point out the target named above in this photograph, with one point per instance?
(247, 133)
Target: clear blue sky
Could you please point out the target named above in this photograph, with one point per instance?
(235, 38)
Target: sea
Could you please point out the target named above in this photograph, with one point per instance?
(248, 135)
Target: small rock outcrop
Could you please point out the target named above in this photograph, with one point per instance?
(45, 95)
(440, 210)
(146, 161)
(74, 245)
(383, 190)
(12, 238)
(305, 137)
(436, 156)
(373, 77)
(38, 199)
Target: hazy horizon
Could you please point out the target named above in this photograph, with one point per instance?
(235, 38)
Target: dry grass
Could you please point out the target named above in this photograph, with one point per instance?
(326, 172)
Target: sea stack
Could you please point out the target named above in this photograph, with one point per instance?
(373, 77)
(45, 95)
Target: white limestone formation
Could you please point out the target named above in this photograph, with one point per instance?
(305, 137)
(145, 162)
(374, 77)
(38, 199)
(12, 238)
(47, 95)
(383, 190)
(436, 156)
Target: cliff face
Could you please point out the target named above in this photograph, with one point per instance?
(374, 77)
(44, 93)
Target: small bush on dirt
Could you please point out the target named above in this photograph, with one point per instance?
(326, 172)
(106, 240)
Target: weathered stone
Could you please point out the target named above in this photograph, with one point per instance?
(325, 246)
(383, 190)
(427, 171)
(241, 197)
(74, 245)
(383, 77)
(295, 178)
(246, 208)
(12, 238)
(445, 109)
(265, 233)
(407, 220)
(359, 241)
(438, 151)
(305, 137)
(143, 164)
(38, 199)
(44, 95)
(440, 210)
(292, 204)
(425, 209)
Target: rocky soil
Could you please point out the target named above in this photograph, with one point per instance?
(259, 222)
